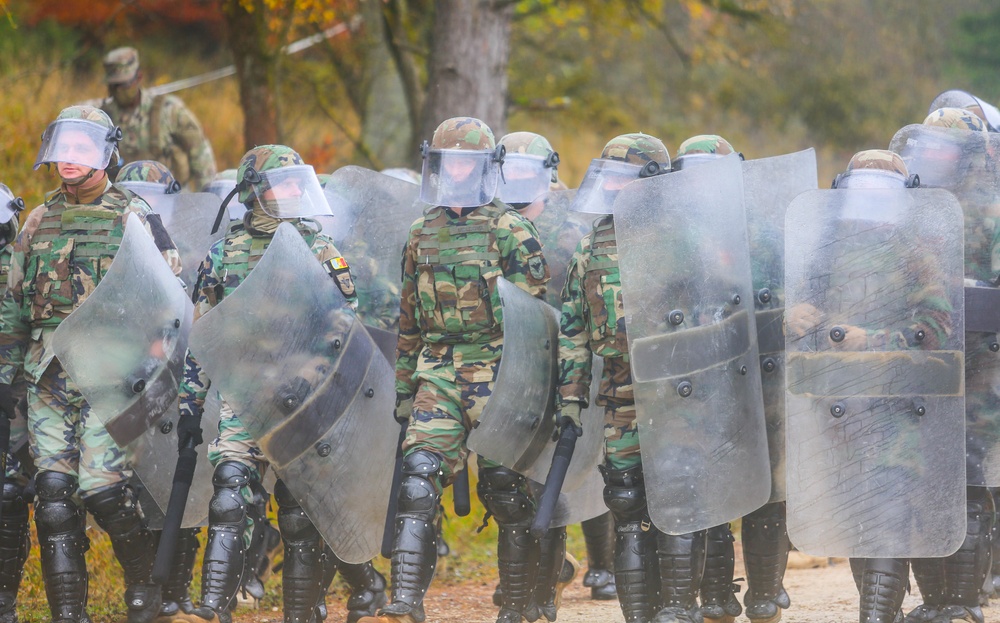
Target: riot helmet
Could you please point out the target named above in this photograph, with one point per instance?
(530, 168)
(956, 98)
(624, 159)
(461, 164)
(82, 136)
(10, 207)
(148, 177)
(702, 148)
(944, 148)
(876, 168)
(273, 180)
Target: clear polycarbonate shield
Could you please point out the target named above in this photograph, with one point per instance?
(124, 345)
(76, 141)
(769, 185)
(290, 192)
(458, 178)
(961, 99)
(601, 183)
(525, 178)
(9, 204)
(311, 388)
(560, 231)
(153, 457)
(686, 287)
(375, 212)
(874, 344)
(962, 162)
(517, 422)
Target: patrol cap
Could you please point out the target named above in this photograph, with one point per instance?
(121, 65)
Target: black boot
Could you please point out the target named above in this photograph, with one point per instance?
(718, 591)
(929, 573)
(765, 555)
(263, 539)
(882, 584)
(599, 534)
(302, 573)
(367, 590)
(116, 511)
(14, 544)
(62, 544)
(176, 595)
(636, 565)
(682, 564)
(966, 570)
(551, 559)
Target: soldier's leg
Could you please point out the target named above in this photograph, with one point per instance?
(302, 572)
(965, 571)
(765, 555)
(600, 578)
(929, 573)
(14, 540)
(881, 584)
(718, 591)
(258, 561)
(682, 564)
(551, 558)
(367, 588)
(636, 565)
(176, 592)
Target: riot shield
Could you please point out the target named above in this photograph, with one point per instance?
(124, 346)
(188, 218)
(311, 387)
(516, 421)
(962, 162)
(560, 231)
(373, 213)
(686, 287)
(769, 185)
(874, 345)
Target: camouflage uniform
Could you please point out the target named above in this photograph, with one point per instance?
(448, 353)
(158, 127)
(238, 510)
(58, 259)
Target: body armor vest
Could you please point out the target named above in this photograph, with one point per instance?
(241, 251)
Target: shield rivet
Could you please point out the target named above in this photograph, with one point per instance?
(743, 370)
(336, 344)
(837, 410)
(920, 410)
(323, 449)
(837, 334)
(764, 295)
(919, 335)
(736, 299)
(769, 365)
(177, 323)
(166, 427)
(290, 403)
(994, 347)
(138, 386)
(675, 317)
(684, 389)
(370, 392)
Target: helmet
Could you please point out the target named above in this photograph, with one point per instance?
(876, 168)
(148, 172)
(121, 65)
(530, 167)
(461, 164)
(81, 135)
(624, 159)
(10, 205)
(955, 118)
(956, 98)
(702, 148)
(275, 180)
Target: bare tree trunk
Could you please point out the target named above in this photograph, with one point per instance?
(467, 69)
(254, 60)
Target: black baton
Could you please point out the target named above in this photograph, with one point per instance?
(554, 481)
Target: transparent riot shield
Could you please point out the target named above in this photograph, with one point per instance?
(874, 345)
(312, 389)
(124, 346)
(769, 185)
(560, 231)
(188, 218)
(964, 162)
(372, 217)
(686, 287)
(516, 422)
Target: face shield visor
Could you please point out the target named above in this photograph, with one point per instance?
(79, 142)
(9, 204)
(962, 99)
(526, 177)
(604, 180)
(151, 189)
(692, 160)
(869, 179)
(289, 192)
(939, 162)
(458, 178)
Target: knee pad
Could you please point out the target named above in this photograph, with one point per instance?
(14, 502)
(227, 505)
(231, 475)
(56, 512)
(292, 520)
(418, 491)
(625, 493)
(502, 492)
(112, 505)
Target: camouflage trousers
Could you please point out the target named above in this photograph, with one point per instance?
(65, 436)
(621, 436)
(15, 471)
(234, 443)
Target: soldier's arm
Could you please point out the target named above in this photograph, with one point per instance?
(188, 134)
(208, 293)
(575, 358)
(154, 227)
(336, 266)
(521, 254)
(409, 343)
(14, 329)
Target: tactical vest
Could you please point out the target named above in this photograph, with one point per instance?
(602, 285)
(457, 268)
(241, 251)
(70, 252)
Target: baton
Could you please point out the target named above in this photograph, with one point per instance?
(554, 481)
(460, 489)
(397, 480)
(187, 460)
(4, 449)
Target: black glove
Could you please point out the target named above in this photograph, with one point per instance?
(404, 407)
(189, 431)
(7, 401)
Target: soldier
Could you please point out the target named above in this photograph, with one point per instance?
(157, 127)
(448, 354)
(58, 259)
(962, 99)
(530, 172)
(593, 321)
(276, 186)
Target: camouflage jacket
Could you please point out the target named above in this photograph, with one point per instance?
(161, 128)
(559, 231)
(450, 320)
(228, 263)
(593, 322)
(57, 260)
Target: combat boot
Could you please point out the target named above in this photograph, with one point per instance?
(881, 584)
(636, 565)
(62, 545)
(14, 544)
(682, 563)
(765, 555)
(176, 595)
(367, 590)
(966, 570)
(718, 591)
(599, 534)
